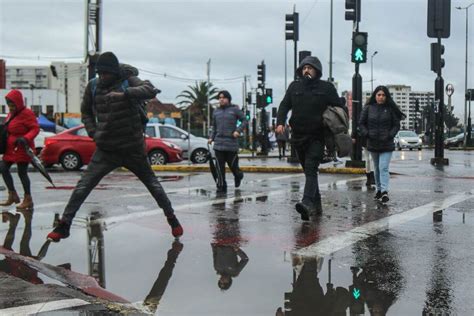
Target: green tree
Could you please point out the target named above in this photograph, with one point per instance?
(194, 101)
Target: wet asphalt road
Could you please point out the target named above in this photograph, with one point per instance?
(398, 259)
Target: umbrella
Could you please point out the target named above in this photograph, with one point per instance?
(36, 162)
(214, 166)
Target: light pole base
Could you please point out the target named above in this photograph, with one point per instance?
(438, 161)
(355, 164)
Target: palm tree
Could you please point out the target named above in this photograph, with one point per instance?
(195, 100)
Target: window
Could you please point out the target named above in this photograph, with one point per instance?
(168, 132)
(150, 131)
(36, 109)
(81, 132)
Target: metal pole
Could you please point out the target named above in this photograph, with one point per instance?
(465, 71)
(330, 79)
(208, 103)
(286, 66)
(372, 71)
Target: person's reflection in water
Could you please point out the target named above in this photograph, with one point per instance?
(307, 296)
(381, 276)
(156, 293)
(11, 266)
(228, 257)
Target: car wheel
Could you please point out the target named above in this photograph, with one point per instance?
(411, 149)
(199, 156)
(157, 157)
(70, 161)
(399, 148)
(419, 148)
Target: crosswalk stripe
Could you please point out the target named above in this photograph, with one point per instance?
(43, 307)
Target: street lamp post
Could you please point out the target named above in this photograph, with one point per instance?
(465, 72)
(372, 71)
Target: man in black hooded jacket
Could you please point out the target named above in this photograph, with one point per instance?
(308, 97)
(112, 119)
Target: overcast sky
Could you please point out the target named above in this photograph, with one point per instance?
(177, 38)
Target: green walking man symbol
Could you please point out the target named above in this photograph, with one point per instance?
(359, 54)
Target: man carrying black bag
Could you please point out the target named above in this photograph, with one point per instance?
(308, 97)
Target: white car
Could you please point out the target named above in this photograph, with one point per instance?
(194, 147)
(39, 140)
(407, 139)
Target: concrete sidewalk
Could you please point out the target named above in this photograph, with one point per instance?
(262, 164)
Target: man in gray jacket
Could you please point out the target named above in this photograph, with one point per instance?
(225, 133)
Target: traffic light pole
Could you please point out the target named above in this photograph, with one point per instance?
(356, 156)
(439, 116)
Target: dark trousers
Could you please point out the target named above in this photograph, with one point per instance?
(103, 163)
(232, 160)
(22, 168)
(310, 153)
(281, 148)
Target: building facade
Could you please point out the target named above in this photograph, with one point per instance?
(69, 79)
(405, 98)
(45, 101)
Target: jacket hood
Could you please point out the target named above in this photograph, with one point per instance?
(16, 97)
(127, 70)
(313, 62)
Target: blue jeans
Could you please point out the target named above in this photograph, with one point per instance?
(382, 175)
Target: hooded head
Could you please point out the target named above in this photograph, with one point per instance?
(108, 62)
(313, 62)
(15, 97)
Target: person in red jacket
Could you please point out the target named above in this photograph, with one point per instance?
(22, 129)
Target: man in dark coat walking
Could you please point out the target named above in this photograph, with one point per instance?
(112, 119)
(308, 97)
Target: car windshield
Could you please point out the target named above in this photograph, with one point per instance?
(407, 134)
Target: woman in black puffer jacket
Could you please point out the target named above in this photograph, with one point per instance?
(379, 123)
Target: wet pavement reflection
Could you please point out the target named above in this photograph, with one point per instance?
(238, 255)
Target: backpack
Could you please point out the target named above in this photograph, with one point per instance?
(140, 105)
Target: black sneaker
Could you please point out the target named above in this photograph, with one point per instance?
(384, 198)
(304, 210)
(61, 231)
(238, 179)
(378, 196)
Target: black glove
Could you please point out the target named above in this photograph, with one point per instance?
(21, 141)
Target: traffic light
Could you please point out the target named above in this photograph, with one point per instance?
(259, 101)
(247, 115)
(291, 27)
(470, 95)
(353, 10)
(261, 75)
(437, 62)
(359, 47)
(249, 98)
(268, 96)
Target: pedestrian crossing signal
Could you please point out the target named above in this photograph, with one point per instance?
(359, 47)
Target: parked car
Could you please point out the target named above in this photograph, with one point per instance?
(73, 148)
(407, 139)
(197, 146)
(40, 138)
(456, 141)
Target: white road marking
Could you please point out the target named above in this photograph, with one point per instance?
(42, 307)
(132, 216)
(345, 239)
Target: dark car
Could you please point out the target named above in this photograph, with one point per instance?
(73, 148)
